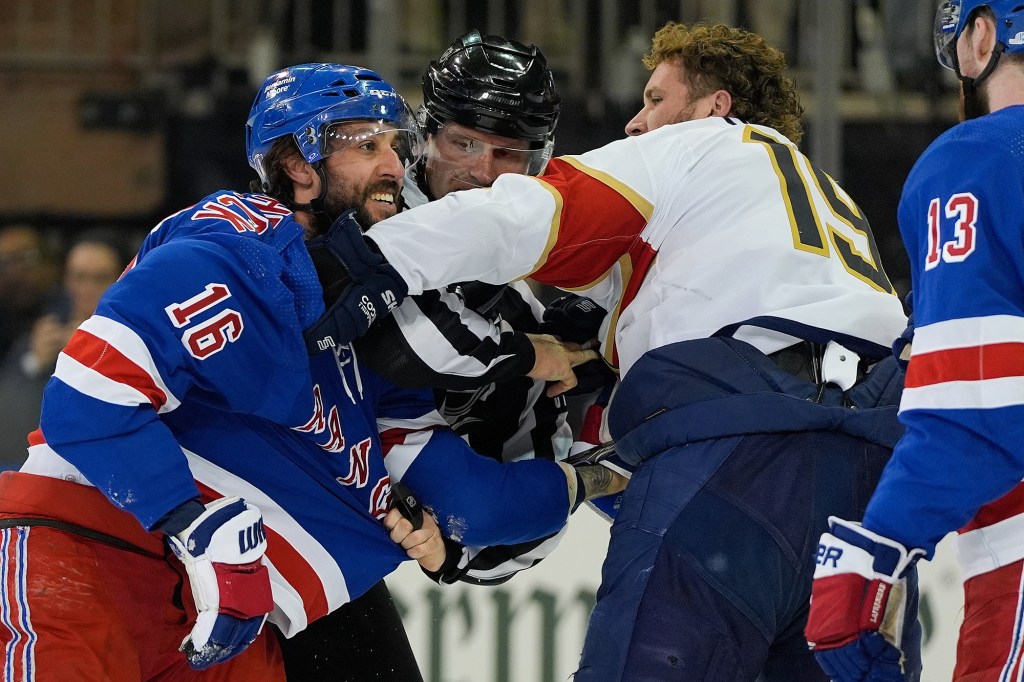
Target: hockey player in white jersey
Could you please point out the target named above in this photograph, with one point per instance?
(959, 466)
(749, 316)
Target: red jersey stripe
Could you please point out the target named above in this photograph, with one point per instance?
(392, 437)
(298, 573)
(96, 354)
(606, 224)
(991, 361)
(1010, 504)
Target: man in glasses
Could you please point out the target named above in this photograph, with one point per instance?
(960, 463)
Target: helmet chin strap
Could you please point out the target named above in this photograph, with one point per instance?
(971, 84)
(317, 206)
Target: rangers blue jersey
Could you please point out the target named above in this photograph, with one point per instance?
(962, 221)
(192, 379)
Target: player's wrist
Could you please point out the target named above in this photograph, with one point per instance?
(181, 517)
(888, 558)
(451, 568)
(524, 355)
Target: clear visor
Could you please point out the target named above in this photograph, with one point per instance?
(458, 147)
(946, 19)
(403, 137)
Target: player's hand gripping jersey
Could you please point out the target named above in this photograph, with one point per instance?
(643, 226)
(193, 380)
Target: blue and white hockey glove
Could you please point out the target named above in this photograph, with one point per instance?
(359, 285)
(223, 552)
(858, 604)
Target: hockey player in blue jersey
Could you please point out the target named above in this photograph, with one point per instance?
(187, 410)
(960, 464)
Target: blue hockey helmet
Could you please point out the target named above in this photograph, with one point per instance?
(306, 101)
(953, 15)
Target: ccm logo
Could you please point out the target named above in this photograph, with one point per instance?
(367, 308)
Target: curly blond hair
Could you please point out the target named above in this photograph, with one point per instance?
(718, 57)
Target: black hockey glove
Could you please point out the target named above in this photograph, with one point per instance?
(573, 318)
(407, 505)
(578, 319)
(359, 284)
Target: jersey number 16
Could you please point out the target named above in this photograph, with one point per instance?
(210, 336)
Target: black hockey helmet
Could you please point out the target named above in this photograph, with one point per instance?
(493, 84)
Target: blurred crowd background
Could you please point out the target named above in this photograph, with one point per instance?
(115, 113)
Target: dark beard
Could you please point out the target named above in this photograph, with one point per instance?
(973, 101)
(336, 205)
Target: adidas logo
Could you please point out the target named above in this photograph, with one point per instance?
(1017, 39)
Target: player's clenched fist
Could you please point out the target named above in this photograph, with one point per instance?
(425, 544)
(223, 552)
(858, 603)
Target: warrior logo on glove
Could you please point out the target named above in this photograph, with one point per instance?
(230, 584)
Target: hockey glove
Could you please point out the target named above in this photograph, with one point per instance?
(359, 285)
(858, 603)
(578, 319)
(573, 318)
(222, 551)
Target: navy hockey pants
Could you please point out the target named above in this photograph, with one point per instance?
(709, 569)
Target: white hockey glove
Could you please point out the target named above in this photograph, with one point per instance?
(858, 604)
(223, 554)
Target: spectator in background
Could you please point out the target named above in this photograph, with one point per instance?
(92, 264)
(28, 275)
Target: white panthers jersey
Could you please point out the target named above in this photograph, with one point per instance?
(697, 228)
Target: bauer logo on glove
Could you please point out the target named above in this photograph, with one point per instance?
(859, 603)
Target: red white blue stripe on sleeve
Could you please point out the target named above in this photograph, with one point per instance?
(402, 440)
(967, 363)
(108, 361)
